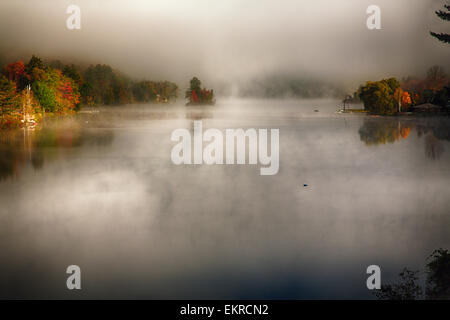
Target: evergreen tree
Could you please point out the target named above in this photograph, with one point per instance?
(195, 85)
(35, 62)
(444, 37)
(72, 72)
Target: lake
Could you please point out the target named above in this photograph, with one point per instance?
(99, 190)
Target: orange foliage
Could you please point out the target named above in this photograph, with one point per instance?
(406, 99)
(404, 132)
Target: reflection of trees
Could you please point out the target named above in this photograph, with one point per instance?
(199, 115)
(382, 131)
(408, 288)
(440, 128)
(10, 159)
(434, 130)
(433, 147)
(21, 147)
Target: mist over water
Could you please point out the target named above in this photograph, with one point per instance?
(231, 45)
(99, 190)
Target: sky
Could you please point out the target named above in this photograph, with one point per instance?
(231, 41)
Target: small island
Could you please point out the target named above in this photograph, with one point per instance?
(198, 95)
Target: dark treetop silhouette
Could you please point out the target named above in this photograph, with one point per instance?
(444, 37)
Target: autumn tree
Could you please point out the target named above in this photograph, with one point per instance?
(16, 71)
(198, 95)
(402, 98)
(378, 96)
(69, 94)
(9, 99)
(433, 88)
(54, 91)
(444, 15)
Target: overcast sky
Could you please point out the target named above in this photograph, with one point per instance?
(227, 40)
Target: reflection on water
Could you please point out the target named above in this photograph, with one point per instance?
(382, 131)
(38, 145)
(99, 190)
(389, 130)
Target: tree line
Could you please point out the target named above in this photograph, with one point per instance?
(390, 96)
(37, 88)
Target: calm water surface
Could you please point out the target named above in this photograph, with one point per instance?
(99, 190)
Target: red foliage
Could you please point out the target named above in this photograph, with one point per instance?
(194, 97)
(68, 93)
(205, 94)
(15, 71)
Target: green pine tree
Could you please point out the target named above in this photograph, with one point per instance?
(444, 37)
